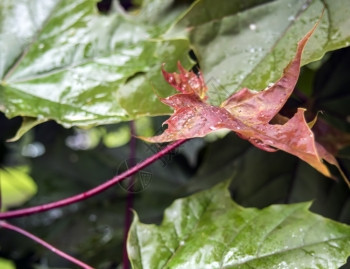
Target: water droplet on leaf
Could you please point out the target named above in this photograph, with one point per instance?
(252, 27)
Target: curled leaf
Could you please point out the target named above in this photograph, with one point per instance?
(186, 82)
(247, 113)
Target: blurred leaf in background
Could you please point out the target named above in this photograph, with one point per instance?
(6, 264)
(16, 186)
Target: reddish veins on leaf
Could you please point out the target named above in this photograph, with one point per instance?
(247, 113)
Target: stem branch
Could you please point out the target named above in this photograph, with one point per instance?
(129, 198)
(92, 192)
(64, 255)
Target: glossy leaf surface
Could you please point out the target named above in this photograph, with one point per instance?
(63, 60)
(209, 230)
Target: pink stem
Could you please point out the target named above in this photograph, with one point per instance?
(92, 192)
(129, 198)
(64, 255)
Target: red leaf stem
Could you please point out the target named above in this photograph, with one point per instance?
(129, 197)
(64, 255)
(94, 191)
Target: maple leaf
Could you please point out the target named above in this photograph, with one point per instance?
(247, 113)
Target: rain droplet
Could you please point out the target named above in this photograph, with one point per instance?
(251, 50)
(334, 244)
(335, 35)
(212, 128)
(41, 46)
(291, 18)
(252, 27)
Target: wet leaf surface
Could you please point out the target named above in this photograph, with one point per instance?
(63, 60)
(208, 229)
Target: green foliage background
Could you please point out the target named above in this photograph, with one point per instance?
(65, 61)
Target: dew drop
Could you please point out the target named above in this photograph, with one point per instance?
(335, 35)
(252, 27)
(333, 244)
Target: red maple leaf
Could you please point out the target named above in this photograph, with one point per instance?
(247, 113)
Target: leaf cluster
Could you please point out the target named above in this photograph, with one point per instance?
(66, 65)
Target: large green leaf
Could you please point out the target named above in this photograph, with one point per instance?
(248, 45)
(208, 230)
(63, 60)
